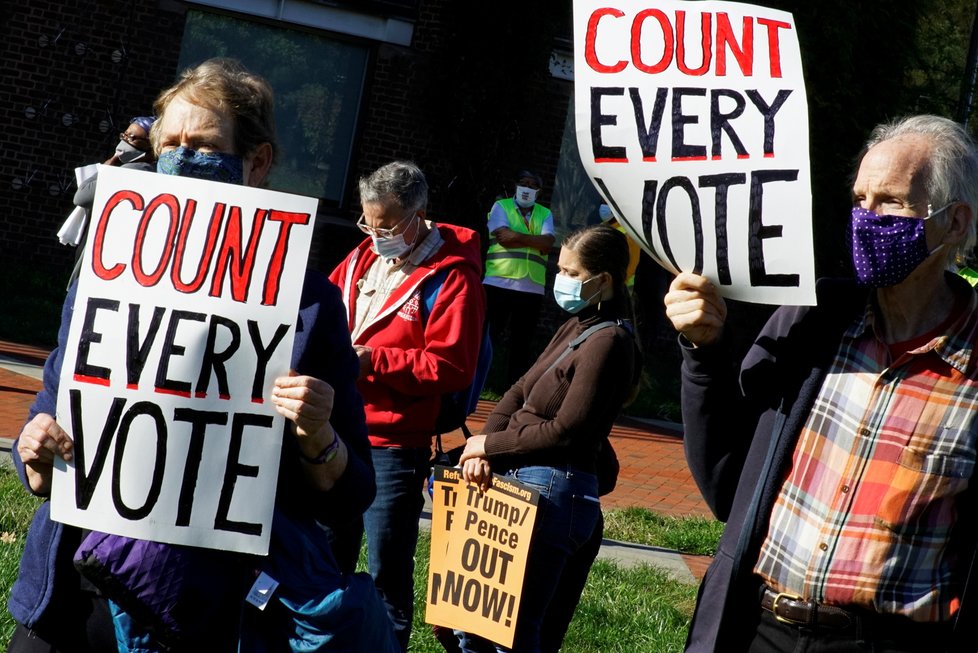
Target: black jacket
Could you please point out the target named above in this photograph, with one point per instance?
(739, 438)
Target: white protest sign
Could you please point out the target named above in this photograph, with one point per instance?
(184, 315)
(692, 122)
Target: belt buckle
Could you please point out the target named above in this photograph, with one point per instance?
(774, 608)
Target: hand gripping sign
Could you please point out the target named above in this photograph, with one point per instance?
(184, 315)
(692, 123)
(479, 546)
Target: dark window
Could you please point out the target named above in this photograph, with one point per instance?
(318, 83)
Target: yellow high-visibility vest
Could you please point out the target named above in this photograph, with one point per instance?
(519, 262)
(634, 253)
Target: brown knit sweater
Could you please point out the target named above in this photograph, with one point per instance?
(562, 415)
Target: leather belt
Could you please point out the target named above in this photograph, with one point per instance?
(797, 611)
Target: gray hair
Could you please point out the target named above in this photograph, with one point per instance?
(952, 175)
(398, 182)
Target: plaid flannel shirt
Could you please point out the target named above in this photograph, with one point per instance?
(865, 515)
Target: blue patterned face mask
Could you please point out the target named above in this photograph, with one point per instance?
(212, 166)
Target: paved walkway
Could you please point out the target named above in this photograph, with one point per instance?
(653, 470)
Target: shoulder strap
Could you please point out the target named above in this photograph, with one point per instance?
(575, 343)
(429, 293)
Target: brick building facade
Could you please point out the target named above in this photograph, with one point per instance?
(76, 72)
(472, 92)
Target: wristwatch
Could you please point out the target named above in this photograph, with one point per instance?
(325, 455)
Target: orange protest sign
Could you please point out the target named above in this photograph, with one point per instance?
(479, 547)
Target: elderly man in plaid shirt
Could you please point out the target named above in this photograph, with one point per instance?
(842, 454)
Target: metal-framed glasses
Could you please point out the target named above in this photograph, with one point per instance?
(380, 232)
(138, 142)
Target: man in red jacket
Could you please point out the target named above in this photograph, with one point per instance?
(410, 355)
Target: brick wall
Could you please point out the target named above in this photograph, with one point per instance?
(471, 100)
(58, 83)
(460, 101)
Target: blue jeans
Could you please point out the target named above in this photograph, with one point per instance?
(391, 527)
(567, 516)
(568, 593)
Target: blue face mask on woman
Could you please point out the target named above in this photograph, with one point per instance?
(211, 166)
(567, 293)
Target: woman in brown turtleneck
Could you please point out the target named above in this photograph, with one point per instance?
(550, 428)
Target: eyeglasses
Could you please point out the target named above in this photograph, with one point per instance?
(931, 212)
(135, 141)
(380, 232)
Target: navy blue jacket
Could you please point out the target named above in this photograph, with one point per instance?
(322, 349)
(741, 427)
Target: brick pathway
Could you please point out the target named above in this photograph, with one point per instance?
(17, 390)
(653, 470)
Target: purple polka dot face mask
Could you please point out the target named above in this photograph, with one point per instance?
(887, 248)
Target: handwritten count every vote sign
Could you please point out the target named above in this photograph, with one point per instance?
(479, 546)
(184, 315)
(692, 123)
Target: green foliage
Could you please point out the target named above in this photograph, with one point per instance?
(938, 55)
(490, 395)
(867, 63)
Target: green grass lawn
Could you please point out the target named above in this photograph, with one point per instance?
(639, 610)
(16, 509)
(693, 535)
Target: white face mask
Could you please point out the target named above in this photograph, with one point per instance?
(127, 153)
(525, 196)
(394, 246)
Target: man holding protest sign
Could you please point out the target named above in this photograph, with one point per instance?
(415, 308)
(216, 124)
(842, 459)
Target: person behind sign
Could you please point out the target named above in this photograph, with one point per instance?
(521, 234)
(133, 151)
(409, 356)
(550, 428)
(215, 123)
(608, 217)
(842, 456)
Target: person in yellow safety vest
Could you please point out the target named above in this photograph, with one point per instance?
(634, 249)
(521, 234)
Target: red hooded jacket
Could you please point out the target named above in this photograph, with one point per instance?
(415, 361)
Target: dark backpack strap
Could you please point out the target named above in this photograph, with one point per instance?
(575, 343)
